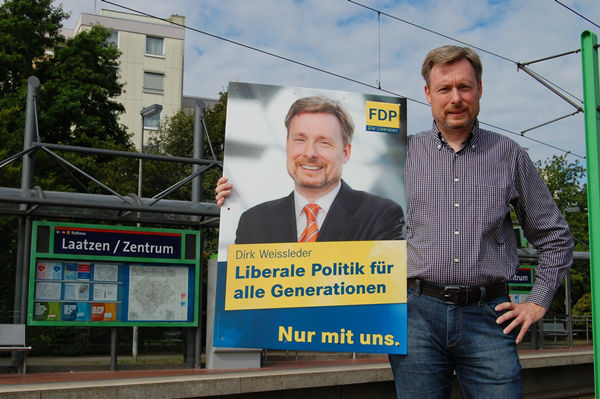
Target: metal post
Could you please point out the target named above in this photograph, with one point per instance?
(33, 84)
(113, 349)
(197, 197)
(140, 170)
(568, 290)
(198, 149)
(134, 333)
(144, 112)
(27, 171)
(591, 100)
(569, 306)
(134, 344)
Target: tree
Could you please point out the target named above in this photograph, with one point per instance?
(27, 29)
(78, 107)
(78, 97)
(175, 137)
(78, 85)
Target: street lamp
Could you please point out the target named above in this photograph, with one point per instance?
(146, 112)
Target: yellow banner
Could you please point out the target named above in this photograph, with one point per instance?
(296, 275)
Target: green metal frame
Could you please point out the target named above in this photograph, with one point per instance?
(591, 100)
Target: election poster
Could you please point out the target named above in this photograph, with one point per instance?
(346, 291)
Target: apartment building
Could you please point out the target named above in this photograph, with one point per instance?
(151, 65)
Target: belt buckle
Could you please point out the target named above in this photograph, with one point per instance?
(452, 294)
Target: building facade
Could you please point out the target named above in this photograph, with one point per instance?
(151, 65)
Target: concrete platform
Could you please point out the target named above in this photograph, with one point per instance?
(557, 373)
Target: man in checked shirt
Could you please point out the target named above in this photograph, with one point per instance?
(461, 181)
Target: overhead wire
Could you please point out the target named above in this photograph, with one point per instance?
(379, 12)
(376, 87)
(431, 31)
(520, 66)
(287, 59)
(576, 13)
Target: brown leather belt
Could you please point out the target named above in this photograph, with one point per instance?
(459, 294)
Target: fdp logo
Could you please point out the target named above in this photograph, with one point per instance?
(383, 117)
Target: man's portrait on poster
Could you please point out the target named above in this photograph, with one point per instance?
(324, 150)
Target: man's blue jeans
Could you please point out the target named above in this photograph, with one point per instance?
(445, 338)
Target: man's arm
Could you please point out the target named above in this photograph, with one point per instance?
(389, 224)
(547, 230)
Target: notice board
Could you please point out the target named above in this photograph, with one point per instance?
(83, 274)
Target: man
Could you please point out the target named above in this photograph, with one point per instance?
(322, 206)
(461, 181)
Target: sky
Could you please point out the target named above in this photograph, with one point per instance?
(361, 52)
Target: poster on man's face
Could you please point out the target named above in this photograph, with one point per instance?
(332, 276)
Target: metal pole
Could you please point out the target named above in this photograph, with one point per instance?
(113, 349)
(198, 153)
(139, 191)
(568, 296)
(33, 85)
(134, 337)
(198, 149)
(21, 272)
(591, 100)
(134, 344)
(569, 306)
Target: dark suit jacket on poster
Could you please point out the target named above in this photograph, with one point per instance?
(353, 216)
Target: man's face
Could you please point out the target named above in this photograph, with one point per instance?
(316, 153)
(454, 94)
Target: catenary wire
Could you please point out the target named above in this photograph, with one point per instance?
(576, 13)
(376, 87)
(379, 12)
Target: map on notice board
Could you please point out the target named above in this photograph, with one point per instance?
(158, 293)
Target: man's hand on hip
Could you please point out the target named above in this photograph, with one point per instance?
(525, 314)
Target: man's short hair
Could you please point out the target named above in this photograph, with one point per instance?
(447, 55)
(326, 106)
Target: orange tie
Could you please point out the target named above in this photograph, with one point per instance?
(311, 231)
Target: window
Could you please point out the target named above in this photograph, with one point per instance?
(155, 46)
(114, 37)
(152, 122)
(154, 82)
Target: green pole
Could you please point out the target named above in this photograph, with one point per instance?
(591, 101)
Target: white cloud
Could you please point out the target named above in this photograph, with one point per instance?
(343, 38)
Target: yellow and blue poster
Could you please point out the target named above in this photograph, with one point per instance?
(345, 152)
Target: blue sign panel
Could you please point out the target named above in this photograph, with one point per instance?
(123, 243)
(523, 277)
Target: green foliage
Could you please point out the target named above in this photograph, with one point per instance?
(583, 306)
(566, 183)
(175, 137)
(27, 29)
(76, 106)
(78, 97)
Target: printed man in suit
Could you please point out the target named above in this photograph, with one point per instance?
(322, 206)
